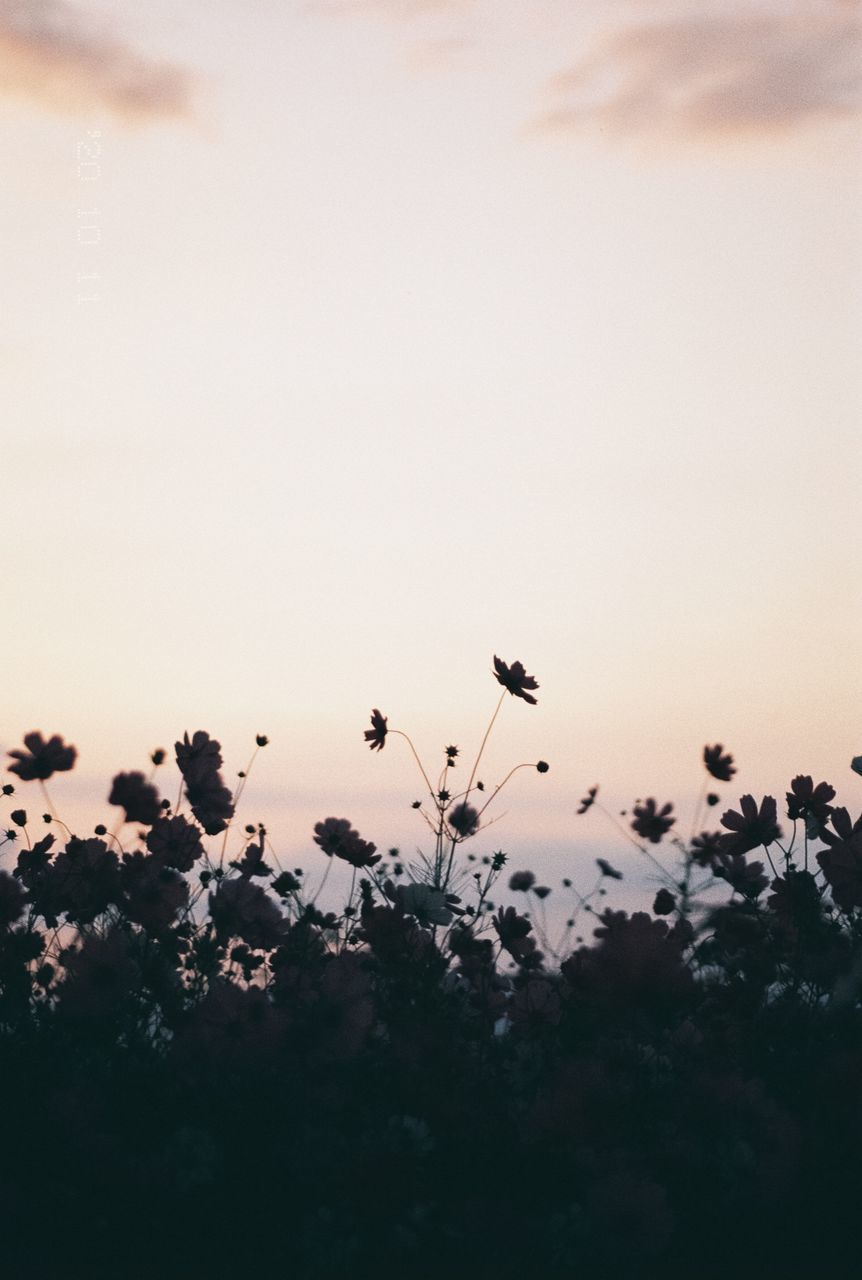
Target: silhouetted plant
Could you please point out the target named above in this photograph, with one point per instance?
(425, 1081)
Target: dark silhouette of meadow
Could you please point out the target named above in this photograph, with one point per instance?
(206, 1074)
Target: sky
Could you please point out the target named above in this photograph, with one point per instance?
(348, 343)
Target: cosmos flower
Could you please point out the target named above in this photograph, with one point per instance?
(521, 881)
(650, 822)
(804, 800)
(175, 842)
(706, 848)
(842, 860)
(42, 759)
(463, 819)
(376, 735)
(720, 767)
(139, 798)
(515, 679)
(338, 839)
(751, 827)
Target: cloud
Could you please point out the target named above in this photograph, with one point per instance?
(708, 75)
(51, 53)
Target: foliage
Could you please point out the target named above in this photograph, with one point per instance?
(205, 1071)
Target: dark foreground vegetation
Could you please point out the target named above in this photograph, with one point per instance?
(205, 1073)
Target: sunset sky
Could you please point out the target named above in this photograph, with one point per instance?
(348, 343)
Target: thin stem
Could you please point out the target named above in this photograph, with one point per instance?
(402, 734)
(47, 799)
(484, 740)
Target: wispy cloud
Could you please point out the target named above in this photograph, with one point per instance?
(51, 52)
(706, 75)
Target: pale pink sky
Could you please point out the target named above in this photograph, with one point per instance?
(424, 332)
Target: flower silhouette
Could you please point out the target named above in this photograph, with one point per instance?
(804, 800)
(720, 767)
(463, 819)
(338, 839)
(751, 827)
(42, 759)
(376, 735)
(652, 823)
(515, 679)
(139, 798)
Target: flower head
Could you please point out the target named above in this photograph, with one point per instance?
(718, 766)
(376, 735)
(842, 860)
(42, 759)
(175, 842)
(199, 761)
(804, 800)
(463, 819)
(515, 679)
(521, 881)
(706, 848)
(651, 822)
(138, 797)
(338, 839)
(751, 827)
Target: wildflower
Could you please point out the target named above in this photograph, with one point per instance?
(154, 894)
(158, 756)
(541, 891)
(588, 800)
(199, 761)
(139, 798)
(795, 899)
(83, 881)
(842, 860)
(652, 823)
(451, 754)
(338, 839)
(19, 817)
(706, 848)
(513, 931)
(42, 759)
(252, 863)
(751, 827)
(423, 901)
(543, 766)
(515, 679)
(804, 800)
(637, 963)
(7, 789)
(607, 870)
(463, 819)
(32, 862)
(718, 766)
(744, 877)
(200, 753)
(664, 903)
(521, 881)
(262, 740)
(376, 735)
(175, 842)
(285, 884)
(243, 910)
